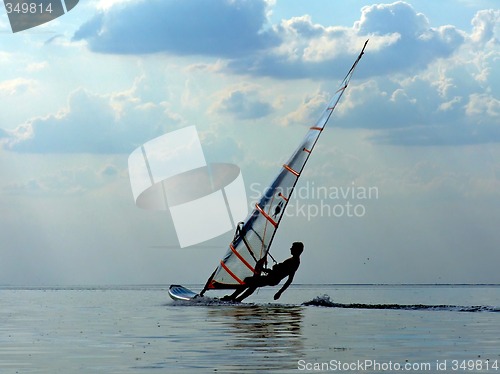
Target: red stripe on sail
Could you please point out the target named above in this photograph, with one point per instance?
(242, 259)
(294, 172)
(273, 222)
(283, 196)
(231, 273)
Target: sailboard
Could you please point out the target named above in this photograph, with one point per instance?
(181, 293)
(249, 249)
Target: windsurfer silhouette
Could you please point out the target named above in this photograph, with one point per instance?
(277, 210)
(273, 276)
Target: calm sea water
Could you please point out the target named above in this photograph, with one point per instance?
(139, 330)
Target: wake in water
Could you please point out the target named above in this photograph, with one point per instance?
(325, 301)
(205, 301)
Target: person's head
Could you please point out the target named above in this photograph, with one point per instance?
(297, 248)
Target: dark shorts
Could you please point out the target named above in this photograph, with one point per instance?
(261, 281)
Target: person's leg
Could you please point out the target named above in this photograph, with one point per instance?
(248, 292)
(251, 284)
(234, 294)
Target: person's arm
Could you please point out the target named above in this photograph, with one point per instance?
(285, 286)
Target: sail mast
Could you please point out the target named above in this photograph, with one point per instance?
(329, 110)
(253, 238)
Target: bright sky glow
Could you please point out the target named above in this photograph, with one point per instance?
(420, 123)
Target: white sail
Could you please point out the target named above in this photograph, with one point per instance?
(250, 246)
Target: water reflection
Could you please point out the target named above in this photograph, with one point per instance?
(260, 336)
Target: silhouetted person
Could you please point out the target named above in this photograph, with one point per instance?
(273, 276)
(277, 210)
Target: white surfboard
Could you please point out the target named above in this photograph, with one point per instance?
(178, 292)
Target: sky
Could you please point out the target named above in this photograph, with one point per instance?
(403, 186)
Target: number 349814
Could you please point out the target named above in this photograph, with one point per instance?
(28, 8)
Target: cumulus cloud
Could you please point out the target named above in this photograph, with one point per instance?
(65, 182)
(416, 112)
(453, 101)
(440, 135)
(421, 83)
(486, 26)
(217, 28)
(418, 43)
(242, 102)
(220, 147)
(309, 109)
(93, 124)
(36, 66)
(401, 38)
(16, 86)
(483, 106)
(381, 105)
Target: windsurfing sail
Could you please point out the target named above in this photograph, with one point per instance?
(248, 251)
